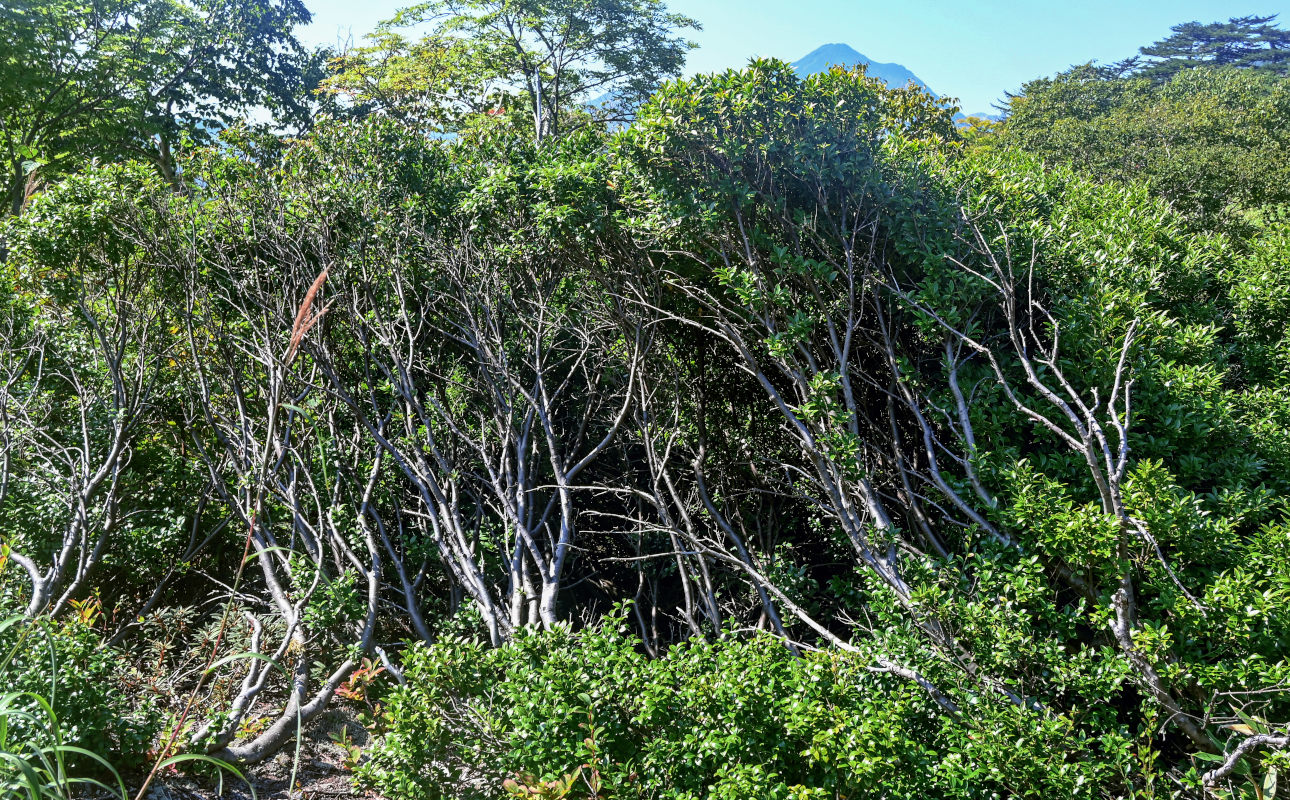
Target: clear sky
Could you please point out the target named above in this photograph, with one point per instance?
(971, 49)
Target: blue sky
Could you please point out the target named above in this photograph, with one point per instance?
(971, 49)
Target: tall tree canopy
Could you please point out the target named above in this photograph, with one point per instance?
(114, 79)
(1251, 42)
(1212, 141)
(548, 58)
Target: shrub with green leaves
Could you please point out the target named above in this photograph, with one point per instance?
(1210, 140)
(63, 713)
(730, 718)
(931, 469)
(83, 681)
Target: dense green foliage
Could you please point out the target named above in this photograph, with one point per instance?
(785, 443)
(128, 79)
(1211, 141)
(731, 718)
(59, 713)
(82, 682)
(556, 63)
(1250, 43)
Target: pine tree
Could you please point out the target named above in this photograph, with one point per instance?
(1250, 42)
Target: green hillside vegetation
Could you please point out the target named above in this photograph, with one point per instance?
(1198, 118)
(789, 442)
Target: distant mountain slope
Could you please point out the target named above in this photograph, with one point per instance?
(821, 58)
(894, 75)
(830, 55)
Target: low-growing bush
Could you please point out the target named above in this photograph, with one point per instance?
(58, 712)
(587, 715)
(66, 664)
